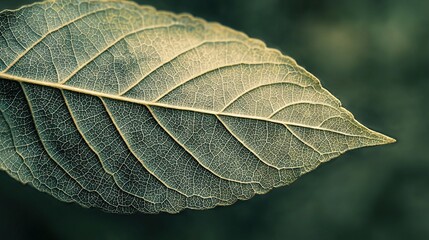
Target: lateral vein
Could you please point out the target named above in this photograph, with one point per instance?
(78, 69)
(111, 174)
(190, 152)
(20, 56)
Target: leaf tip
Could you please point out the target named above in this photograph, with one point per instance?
(389, 140)
(384, 140)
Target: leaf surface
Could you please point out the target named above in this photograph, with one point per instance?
(125, 108)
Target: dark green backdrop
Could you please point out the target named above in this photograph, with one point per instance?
(372, 55)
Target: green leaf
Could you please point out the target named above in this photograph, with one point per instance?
(125, 108)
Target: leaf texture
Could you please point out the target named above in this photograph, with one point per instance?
(125, 108)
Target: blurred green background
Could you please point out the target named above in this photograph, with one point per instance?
(372, 55)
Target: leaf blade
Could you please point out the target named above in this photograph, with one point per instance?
(130, 121)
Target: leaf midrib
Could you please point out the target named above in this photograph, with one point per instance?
(168, 106)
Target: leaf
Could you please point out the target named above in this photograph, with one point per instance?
(125, 108)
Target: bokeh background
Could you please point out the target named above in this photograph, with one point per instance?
(372, 55)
